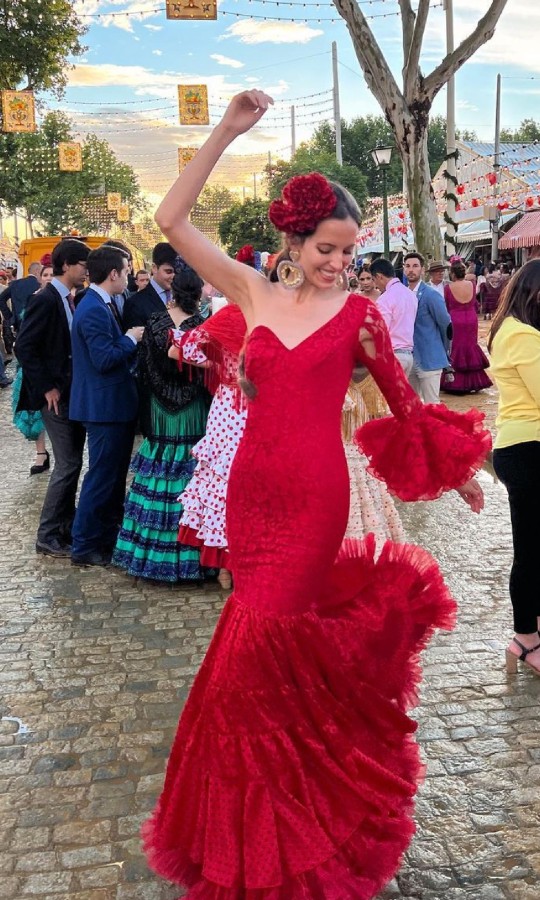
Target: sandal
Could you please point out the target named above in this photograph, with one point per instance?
(512, 658)
(44, 467)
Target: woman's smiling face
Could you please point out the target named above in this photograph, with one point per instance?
(328, 251)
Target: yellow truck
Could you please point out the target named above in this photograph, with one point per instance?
(32, 249)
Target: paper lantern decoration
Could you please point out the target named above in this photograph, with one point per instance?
(122, 213)
(138, 229)
(475, 202)
(185, 155)
(70, 157)
(189, 9)
(460, 189)
(114, 201)
(193, 104)
(492, 178)
(529, 202)
(18, 111)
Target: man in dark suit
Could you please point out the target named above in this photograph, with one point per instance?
(19, 292)
(44, 352)
(104, 399)
(139, 307)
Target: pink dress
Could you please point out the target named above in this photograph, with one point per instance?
(467, 357)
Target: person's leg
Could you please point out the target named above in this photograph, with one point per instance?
(430, 385)
(95, 527)
(115, 515)
(414, 379)
(406, 360)
(67, 441)
(518, 467)
(4, 379)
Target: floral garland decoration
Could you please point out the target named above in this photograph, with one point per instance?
(305, 201)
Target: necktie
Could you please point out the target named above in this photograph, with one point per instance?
(115, 312)
(168, 296)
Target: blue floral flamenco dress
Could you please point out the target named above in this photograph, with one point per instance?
(28, 421)
(174, 409)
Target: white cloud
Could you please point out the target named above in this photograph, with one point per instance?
(252, 80)
(157, 52)
(227, 61)
(154, 27)
(146, 81)
(131, 11)
(249, 31)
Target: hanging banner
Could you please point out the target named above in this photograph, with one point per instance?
(123, 213)
(189, 9)
(193, 104)
(185, 155)
(70, 157)
(114, 201)
(18, 111)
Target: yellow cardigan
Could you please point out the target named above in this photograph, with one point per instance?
(515, 366)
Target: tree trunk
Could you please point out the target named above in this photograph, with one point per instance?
(420, 197)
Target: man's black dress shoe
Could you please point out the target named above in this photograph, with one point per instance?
(91, 559)
(53, 548)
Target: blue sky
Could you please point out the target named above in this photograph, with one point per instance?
(124, 87)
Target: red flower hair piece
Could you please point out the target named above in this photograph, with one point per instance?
(305, 201)
(46, 259)
(246, 255)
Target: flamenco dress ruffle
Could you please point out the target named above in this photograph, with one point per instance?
(203, 522)
(147, 545)
(293, 771)
(28, 421)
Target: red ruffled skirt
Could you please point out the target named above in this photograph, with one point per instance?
(293, 770)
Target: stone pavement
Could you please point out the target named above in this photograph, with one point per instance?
(94, 669)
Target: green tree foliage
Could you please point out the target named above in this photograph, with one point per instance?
(248, 223)
(36, 38)
(30, 179)
(527, 133)
(212, 204)
(360, 136)
(309, 158)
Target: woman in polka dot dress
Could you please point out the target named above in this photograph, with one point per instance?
(215, 345)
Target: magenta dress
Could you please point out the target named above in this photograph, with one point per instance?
(467, 357)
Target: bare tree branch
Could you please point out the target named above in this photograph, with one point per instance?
(453, 61)
(412, 61)
(407, 19)
(376, 70)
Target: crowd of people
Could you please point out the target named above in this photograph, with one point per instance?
(293, 770)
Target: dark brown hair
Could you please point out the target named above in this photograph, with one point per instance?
(458, 270)
(520, 299)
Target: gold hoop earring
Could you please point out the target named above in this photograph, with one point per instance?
(290, 273)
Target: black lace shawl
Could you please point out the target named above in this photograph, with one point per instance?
(159, 376)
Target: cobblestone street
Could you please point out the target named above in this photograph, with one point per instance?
(94, 668)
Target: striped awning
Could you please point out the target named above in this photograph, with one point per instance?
(525, 233)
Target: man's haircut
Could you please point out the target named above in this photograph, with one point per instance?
(142, 272)
(68, 252)
(163, 254)
(382, 266)
(102, 261)
(112, 242)
(415, 255)
(35, 268)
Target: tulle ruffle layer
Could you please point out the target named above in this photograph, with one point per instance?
(293, 769)
(425, 455)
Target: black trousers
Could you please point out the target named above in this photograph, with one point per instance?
(518, 467)
(67, 441)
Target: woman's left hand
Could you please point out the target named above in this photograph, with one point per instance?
(473, 495)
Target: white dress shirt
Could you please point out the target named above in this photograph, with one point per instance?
(64, 293)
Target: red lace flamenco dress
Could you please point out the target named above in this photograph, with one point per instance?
(293, 770)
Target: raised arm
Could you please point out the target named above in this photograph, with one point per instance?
(231, 278)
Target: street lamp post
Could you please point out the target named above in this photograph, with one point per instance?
(382, 157)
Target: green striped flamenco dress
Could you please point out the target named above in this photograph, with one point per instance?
(174, 408)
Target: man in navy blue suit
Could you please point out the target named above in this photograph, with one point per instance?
(104, 399)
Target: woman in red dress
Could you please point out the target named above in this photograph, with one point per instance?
(293, 770)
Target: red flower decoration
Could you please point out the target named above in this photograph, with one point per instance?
(460, 189)
(458, 207)
(305, 201)
(475, 202)
(402, 215)
(246, 255)
(492, 178)
(46, 259)
(529, 202)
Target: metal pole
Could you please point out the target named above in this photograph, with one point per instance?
(293, 133)
(244, 193)
(450, 133)
(254, 185)
(337, 113)
(496, 169)
(386, 228)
